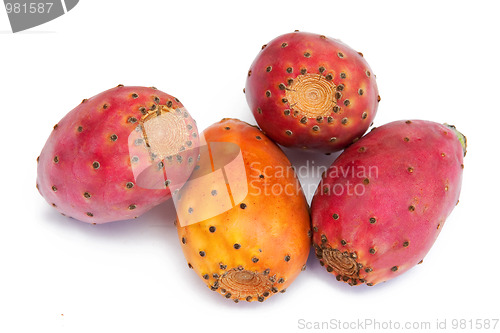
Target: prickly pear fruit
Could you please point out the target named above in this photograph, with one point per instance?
(311, 91)
(259, 244)
(381, 205)
(117, 155)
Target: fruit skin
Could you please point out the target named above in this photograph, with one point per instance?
(87, 167)
(408, 176)
(265, 238)
(335, 74)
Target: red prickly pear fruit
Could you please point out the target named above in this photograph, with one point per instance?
(312, 92)
(251, 237)
(381, 205)
(117, 155)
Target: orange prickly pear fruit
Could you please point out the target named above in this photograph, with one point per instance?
(243, 220)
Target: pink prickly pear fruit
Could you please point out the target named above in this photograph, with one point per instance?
(251, 236)
(313, 92)
(381, 205)
(117, 155)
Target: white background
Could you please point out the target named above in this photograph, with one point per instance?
(433, 60)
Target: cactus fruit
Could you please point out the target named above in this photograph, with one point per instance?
(381, 205)
(117, 155)
(257, 245)
(313, 92)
